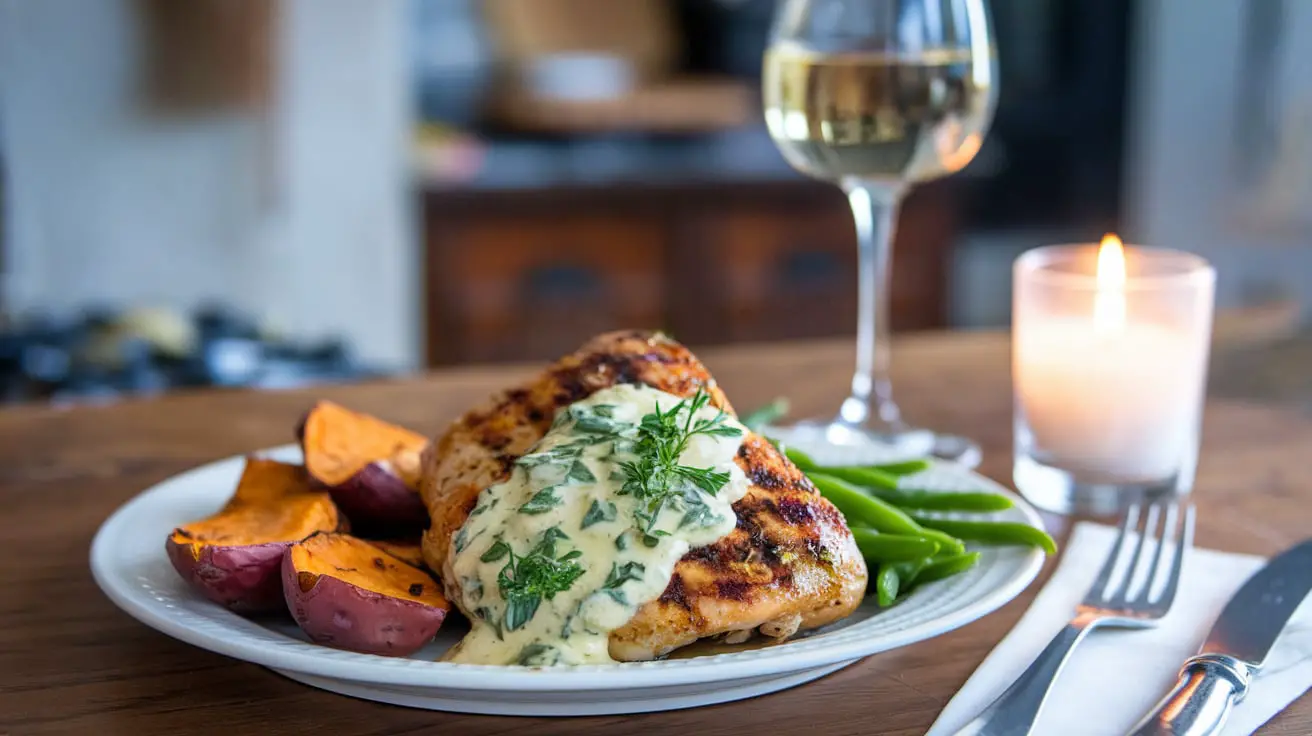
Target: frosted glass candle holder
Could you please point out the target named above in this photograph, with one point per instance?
(1109, 365)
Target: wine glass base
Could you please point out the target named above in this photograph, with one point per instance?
(957, 449)
(908, 443)
(894, 445)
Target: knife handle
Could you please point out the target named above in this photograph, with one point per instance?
(1210, 684)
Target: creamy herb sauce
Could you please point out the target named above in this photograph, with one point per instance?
(591, 523)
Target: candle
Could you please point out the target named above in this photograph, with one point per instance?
(1109, 360)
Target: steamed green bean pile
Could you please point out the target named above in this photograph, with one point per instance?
(903, 546)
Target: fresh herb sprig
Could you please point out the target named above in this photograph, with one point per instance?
(656, 478)
(526, 580)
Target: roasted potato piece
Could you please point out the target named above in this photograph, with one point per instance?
(370, 467)
(405, 550)
(346, 593)
(234, 557)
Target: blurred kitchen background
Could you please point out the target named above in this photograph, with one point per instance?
(281, 192)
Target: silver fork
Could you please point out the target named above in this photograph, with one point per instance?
(1126, 606)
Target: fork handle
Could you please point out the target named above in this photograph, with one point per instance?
(1210, 685)
(1017, 709)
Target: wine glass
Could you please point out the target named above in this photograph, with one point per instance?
(876, 95)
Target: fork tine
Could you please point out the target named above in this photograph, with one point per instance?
(1126, 591)
(1183, 543)
(1099, 587)
(1169, 524)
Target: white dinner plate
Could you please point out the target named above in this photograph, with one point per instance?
(130, 565)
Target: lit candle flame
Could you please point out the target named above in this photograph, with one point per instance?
(1109, 300)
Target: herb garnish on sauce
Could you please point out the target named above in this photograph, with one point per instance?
(656, 478)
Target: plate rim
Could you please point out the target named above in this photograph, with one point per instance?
(306, 657)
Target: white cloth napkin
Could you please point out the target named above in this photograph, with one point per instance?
(1116, 675)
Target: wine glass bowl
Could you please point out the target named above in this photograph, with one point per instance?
(875, 96)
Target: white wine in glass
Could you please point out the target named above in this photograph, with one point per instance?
(876, 95)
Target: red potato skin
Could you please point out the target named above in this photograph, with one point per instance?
(377, 497)
(374, 497)
(338, 614)
(244, 578)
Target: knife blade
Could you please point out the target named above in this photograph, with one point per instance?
(1250, 623)
(1239, 643)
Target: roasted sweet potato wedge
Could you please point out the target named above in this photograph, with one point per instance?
(234, 557)
(405, 550)
(370, 467)
(346, 593)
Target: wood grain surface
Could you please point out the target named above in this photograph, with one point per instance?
(71, 663)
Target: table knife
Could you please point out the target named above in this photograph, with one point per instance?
(1219, 676)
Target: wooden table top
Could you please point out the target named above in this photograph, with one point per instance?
(71, 663)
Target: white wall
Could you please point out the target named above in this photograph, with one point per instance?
(302, 217)
(1180, 183)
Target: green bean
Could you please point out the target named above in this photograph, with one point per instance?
(947, 567)
(944, 501)
(876, 547)
(768, 414)
(906, 467)
(909, 572)
(857, 475)
(884, 486)
(886, 585)
(992, 532)
(881, 474)
(861, 509)
(802, 460)
(869, 476)
(947, 544)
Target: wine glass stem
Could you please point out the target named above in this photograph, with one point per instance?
(874, 208)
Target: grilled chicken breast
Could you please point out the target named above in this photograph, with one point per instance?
(790, 564)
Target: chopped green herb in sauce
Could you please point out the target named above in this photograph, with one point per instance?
(525, 581)
(538, 655)
(598, 512)
(541, 502)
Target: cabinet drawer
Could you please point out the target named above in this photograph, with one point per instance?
(537, 287)
(762, 272)
(782, 276)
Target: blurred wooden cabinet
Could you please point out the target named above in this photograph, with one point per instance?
(529, 275)
(770, 273)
